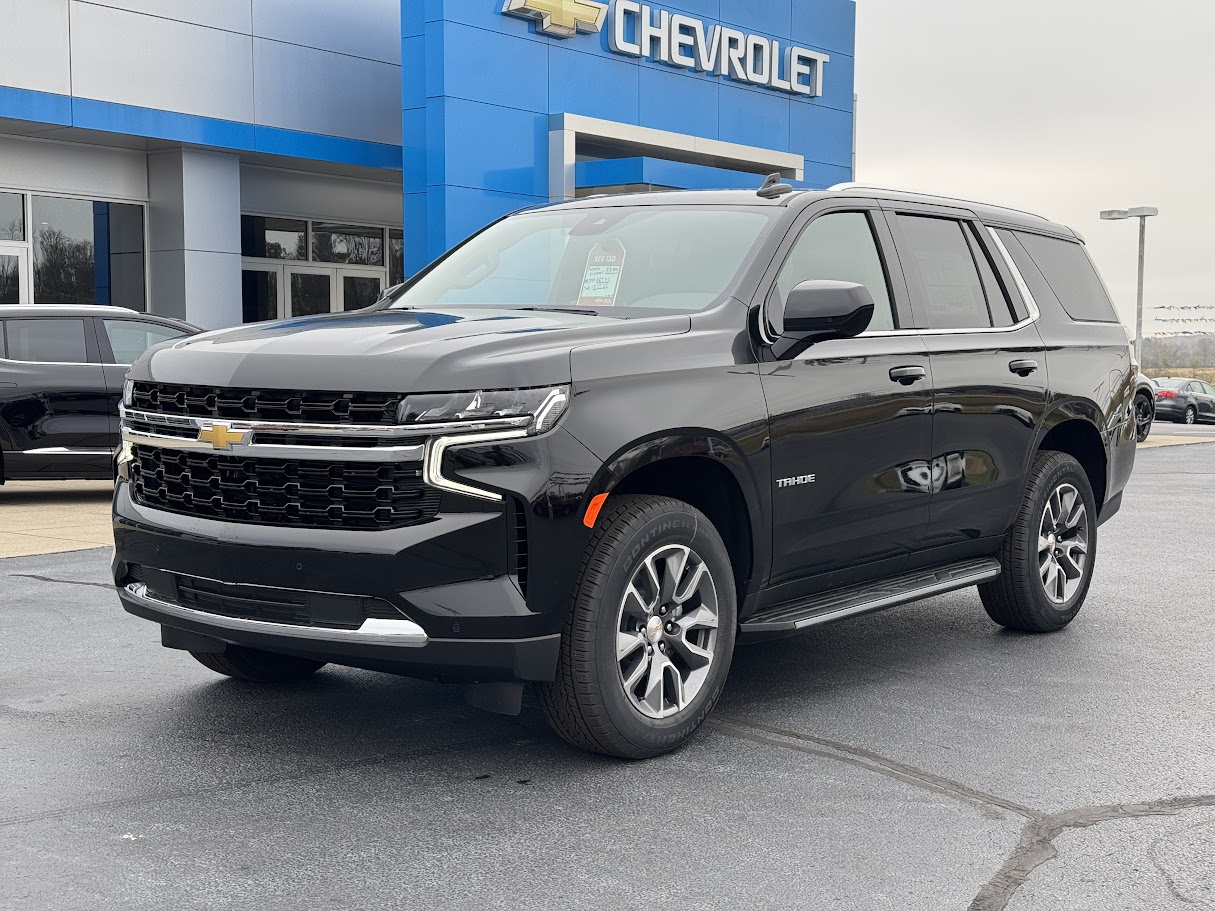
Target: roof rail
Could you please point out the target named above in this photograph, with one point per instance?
(109, 308)
(905, 192)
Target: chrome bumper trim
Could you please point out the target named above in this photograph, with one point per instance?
(402, 633)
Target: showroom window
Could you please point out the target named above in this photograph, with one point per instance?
(59, 250)
(295, 267)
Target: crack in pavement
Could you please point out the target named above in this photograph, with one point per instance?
(866, 759)
(1037, 842)
(109, 586)
(1036, 845)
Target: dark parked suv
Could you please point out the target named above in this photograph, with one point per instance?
(599, 443)
(61, 374)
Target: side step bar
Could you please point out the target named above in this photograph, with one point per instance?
(783, 619)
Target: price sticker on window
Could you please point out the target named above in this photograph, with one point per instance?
(601, 280)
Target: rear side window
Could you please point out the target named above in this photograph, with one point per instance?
(130, 338)
(941, 258)
(51, 341)
(1072, 277)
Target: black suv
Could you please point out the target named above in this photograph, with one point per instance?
(61, 375)
(599, 443)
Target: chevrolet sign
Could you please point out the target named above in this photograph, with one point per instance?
(679, 40)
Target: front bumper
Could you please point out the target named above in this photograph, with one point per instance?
(478, 594)
(398, 647)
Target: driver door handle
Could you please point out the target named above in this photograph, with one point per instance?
(907, 375)
(1023, 368)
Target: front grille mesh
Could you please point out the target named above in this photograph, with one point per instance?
(302, 493)
(285, 405)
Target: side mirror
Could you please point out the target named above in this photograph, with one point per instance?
(820, 310)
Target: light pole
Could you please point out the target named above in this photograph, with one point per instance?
(1143, 214)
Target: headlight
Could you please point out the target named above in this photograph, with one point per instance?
(128, 393)
(510, 406)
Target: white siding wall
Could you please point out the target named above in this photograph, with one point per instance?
(331, 67)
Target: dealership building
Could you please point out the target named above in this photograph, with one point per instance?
(229, 161)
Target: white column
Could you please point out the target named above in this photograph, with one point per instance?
(194, 236)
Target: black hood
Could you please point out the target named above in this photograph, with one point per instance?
(397, 350)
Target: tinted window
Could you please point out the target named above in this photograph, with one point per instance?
(1194, 388)
(348, 244)
(997, 302)
(939, 254)
(88, 252)
(273, 238)
(840, 247)
(259, 295)
(58, 341)
(12, 216)
(1208, 389)
(359, 291)
(396, 257)
(130, 338)
(1072, 277)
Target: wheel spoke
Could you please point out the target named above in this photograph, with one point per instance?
(675, 682)
(626, 644)
(635, 605)
(673, 565)
(654, 687)
(700, 618)
(684, 592)
(630, 683)
(695, 656)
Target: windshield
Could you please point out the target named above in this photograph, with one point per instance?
(645, 257)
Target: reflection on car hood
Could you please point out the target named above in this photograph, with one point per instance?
(397, 350)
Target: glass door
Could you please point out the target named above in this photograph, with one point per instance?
(359, 288)
(261, 288)
(14, 275)
(310, 291)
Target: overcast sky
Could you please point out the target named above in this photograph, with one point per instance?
(1061, 107)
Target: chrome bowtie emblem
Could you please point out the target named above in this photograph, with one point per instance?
(560, 18)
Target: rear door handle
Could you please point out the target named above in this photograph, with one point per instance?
(1023, 368)
(907, 375)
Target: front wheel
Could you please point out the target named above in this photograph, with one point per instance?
(1144, 414)
(1048, 556)
(647, 647)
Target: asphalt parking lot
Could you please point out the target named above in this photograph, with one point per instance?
(920, 758)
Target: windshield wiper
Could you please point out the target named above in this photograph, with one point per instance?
(560, 310)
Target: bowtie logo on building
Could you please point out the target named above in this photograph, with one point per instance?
(560, 18)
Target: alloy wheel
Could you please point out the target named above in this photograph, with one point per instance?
(667, 631)
(1143, 417)
(1190, 416)
(1063, 538)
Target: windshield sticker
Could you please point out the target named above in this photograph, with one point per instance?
(601, 280)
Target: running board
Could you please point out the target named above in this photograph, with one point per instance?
(783, 619)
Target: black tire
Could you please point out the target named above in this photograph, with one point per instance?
(1145, 413)
(587, 703)
(1191, 415)
(1017, 598)
(257, 666)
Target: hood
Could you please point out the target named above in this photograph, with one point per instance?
(397, 350)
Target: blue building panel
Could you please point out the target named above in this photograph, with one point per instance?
(493, 80)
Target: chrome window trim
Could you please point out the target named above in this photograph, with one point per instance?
(401, 632)
(432, 468)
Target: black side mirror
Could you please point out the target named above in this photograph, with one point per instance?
(820, 310)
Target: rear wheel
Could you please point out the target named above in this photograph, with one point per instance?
(1191, 415)
(258, 666)
(1144, 414)
(1047, 558)
(647, 647)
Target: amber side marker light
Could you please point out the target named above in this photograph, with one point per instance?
(592, 511)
